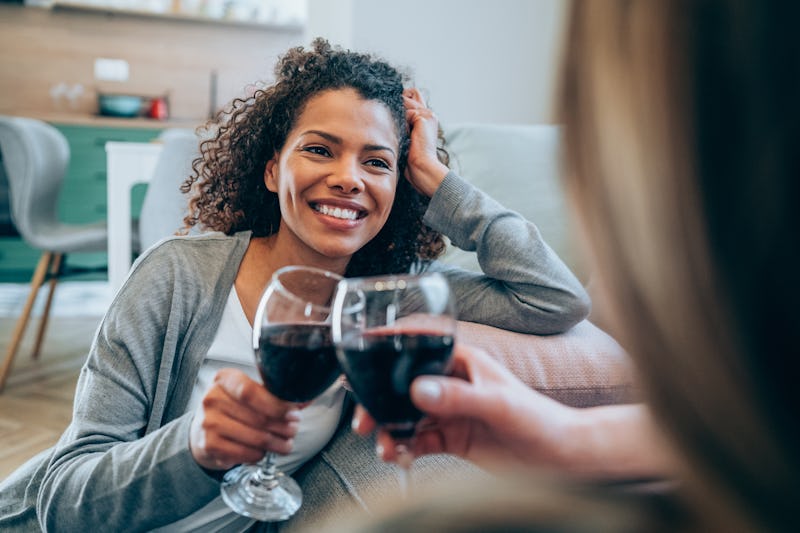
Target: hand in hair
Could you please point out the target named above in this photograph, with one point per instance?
(425, 171)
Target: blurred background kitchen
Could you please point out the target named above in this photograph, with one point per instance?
(488, 61)
(129, 70)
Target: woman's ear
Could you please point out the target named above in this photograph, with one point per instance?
(270, 174)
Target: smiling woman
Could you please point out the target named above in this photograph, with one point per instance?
(335, 166)
(335, 178)
(231, 170)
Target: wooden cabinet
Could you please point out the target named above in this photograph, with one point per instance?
(82, 198)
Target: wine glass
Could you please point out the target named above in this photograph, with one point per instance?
(297, 363)
(387, 331)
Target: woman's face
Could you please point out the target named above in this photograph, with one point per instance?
(336, 174)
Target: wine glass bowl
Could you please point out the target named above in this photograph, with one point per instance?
(297, 362)
(388, 331)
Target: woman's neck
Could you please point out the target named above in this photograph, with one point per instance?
(264, 256)
(283, 249)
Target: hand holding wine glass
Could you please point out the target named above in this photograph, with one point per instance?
(297, 363)
(237, 419)
(484, 413)
(387, 331)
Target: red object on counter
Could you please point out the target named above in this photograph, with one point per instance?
(158, 109)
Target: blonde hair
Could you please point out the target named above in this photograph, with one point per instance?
(662, 194)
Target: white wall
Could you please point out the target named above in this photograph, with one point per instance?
(332, 19)
(490, 61)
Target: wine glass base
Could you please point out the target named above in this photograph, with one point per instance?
(267, 502)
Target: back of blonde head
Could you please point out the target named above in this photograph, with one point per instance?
(681, 120)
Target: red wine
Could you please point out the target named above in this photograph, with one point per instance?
(381, 366)
(297, 361)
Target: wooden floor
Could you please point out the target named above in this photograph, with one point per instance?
(36, 404)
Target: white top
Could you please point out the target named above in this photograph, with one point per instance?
(232, 348)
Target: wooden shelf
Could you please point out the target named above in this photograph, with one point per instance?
(181, 17)
(81, 119)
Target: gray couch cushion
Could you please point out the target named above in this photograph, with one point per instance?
(517, 165)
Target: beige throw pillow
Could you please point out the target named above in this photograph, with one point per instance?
(583, 367)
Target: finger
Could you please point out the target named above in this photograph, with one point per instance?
(423, 113)
(412, 105)
(259, 439)
(429, 441)
(217, 453)
(218, 443)
(218, 402)
(412, 93)
(424, 442)
(363, 423)
(244, 390)
(230, 452)
(414, 101)
(385, 447)
(449, 397)
(217, 421)
(478, 393)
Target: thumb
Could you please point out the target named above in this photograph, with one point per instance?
(447, 397)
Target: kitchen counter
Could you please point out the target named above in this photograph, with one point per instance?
(80, 119)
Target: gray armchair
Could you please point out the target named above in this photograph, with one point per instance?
(164, 204)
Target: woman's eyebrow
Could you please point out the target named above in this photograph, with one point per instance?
(332, 138)
(376, 147)
(338, 140)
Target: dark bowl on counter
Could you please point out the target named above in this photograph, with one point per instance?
(119, 105)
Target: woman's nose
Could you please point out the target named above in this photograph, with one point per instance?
(347, 176)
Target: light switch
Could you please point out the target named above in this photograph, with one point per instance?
(110, 69)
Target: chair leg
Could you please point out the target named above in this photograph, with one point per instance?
(22, 322)
(55, 269)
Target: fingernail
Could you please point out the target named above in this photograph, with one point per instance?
(379, 450)
(427, 390)
(355, 424)
(294, 414)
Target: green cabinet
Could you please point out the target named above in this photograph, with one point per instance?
(82, 198)
(17, 260)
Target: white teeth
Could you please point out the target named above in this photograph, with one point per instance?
(337, 212)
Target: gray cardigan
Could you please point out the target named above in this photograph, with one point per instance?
(124, 463)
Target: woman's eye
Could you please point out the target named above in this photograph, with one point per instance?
(378, 163)
(318, 150)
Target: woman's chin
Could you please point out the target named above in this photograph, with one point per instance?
(339, 250)
(336, 253)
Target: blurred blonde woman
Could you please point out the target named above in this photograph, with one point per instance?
(682, 121)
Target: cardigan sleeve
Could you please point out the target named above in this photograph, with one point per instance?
(108, 472)
(525, 286)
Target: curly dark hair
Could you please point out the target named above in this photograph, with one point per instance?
(227, 187)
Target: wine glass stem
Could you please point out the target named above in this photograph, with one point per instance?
(265, 476)
(402, 479)
(404, 460)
